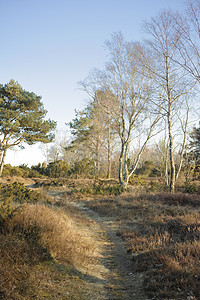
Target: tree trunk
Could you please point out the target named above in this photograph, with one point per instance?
(109, 155)
(97, 160)
(120, 172)
(125, 164)
(166, 168)
(2, 161)
(169, 116)
(184, 128)
(171, 155)
(1, 151)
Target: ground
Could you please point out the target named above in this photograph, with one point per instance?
(114, 275)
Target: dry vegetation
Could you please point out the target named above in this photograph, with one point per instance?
(45, 248)
(162, 232)
(43, 253)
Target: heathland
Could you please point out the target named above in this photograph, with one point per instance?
(86, 239)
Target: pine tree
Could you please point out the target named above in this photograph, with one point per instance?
(22, 119)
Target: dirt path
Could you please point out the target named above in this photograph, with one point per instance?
(120, 281)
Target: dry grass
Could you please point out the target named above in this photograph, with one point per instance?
(36, 235)
(162, 232)
(43, 250)
(11, 179)
(57, 233)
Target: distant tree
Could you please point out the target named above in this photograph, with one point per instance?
(104, 98)
(195, 143)
(89, 131)
(22, 119)
(100, 107)
(56, 150)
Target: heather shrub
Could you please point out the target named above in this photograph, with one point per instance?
(156, 187)
(191, 188)
(103, 190)
(7, 212)
(19, 193)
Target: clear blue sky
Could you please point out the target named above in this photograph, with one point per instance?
(50, 45)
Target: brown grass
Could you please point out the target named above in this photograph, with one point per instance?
(162, 232)
(57, 233)
(36, 235)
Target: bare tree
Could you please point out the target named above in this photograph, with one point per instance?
(104, 99)
(128, 95)
(188, 26)
(56, 150)
(171, 79)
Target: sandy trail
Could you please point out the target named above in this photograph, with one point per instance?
(119, 279)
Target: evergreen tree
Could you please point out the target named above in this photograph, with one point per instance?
(22, 119)
(195, 143)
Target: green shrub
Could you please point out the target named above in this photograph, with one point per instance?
(103, 190)
(148, 169)
(136, 180)
(57, 169)
(8, 170)
(7, 211)
(191, 188)
(19, 193)
(82, 168)
(157, 187)
(20, 171)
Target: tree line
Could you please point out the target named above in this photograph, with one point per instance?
(147, 91)
(144, 90)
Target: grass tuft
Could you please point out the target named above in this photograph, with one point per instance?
(34, 235)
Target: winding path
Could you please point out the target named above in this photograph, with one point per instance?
(120, 281)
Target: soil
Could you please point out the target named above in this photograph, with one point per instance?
(114, 277)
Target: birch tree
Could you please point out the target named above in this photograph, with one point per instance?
(128, 95)
(188, 26)
(171, 79)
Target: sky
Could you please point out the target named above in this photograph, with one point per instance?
(48, 46)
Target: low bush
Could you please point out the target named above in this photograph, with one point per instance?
(7, 212)
(177, 199)
(156, 187)
(136, 180)
(191, 188)
(103, 190)
(19, 193)
(20, 171)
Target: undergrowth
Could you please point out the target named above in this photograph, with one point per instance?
(102, 190)
(35, 241)
(19, 193)
(162, 233)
